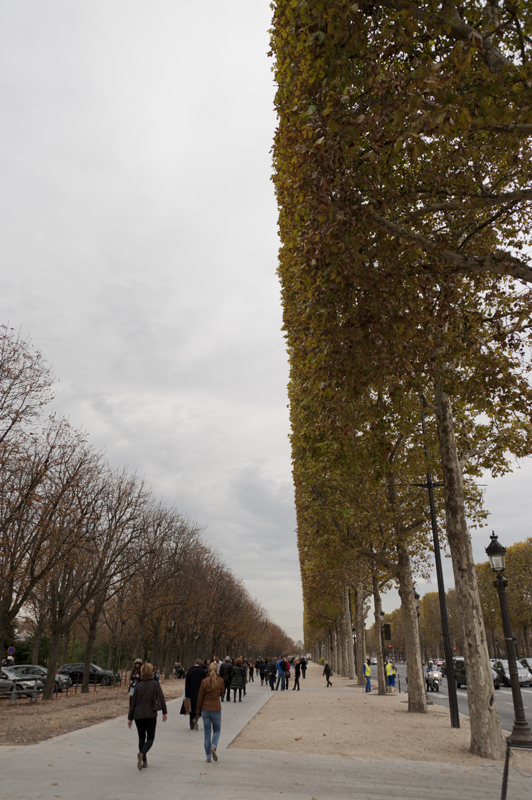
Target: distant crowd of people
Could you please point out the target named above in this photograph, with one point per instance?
(207, 685)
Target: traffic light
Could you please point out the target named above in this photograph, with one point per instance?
(389, 647)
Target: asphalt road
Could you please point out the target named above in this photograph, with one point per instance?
(503, 697)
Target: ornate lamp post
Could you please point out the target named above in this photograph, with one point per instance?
(521, 735)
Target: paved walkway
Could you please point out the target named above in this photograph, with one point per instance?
(99, 763)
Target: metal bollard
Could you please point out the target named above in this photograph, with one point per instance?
(399, 683)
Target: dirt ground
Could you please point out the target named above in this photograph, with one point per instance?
(354, 724)
(27, 723)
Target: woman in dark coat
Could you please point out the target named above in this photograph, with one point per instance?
(327, 671)
(193, 680)
(135, 675)
(141, 709)
(238, 681)
(297, 667)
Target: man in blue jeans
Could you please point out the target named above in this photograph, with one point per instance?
(281, 669)
(367, 674)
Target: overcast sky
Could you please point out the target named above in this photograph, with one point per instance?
(139, 249)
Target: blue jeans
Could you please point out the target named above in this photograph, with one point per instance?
(280, 680)
(214, 718)
(368, 683)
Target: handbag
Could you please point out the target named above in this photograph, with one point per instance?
(187, 705)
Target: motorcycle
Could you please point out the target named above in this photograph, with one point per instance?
(433, 680)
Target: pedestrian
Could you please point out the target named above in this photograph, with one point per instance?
(134, 678)
(146, 700)
(297, 672)
(281, 669)
(272, 672)
(287, 674)
(238, 680)
(262, 671)
(250, 670)
(367, 674)
(193, 680)
(210, 710)
(156, 673)
(226, 673)
(303, 662)
(327, 671)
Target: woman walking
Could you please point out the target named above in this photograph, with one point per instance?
(297, 667)
(146, 699)
(327, 671)
(238, 680)
(193, 680)
(209, 708)
(135, 675)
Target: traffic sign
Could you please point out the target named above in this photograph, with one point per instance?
(11, 651)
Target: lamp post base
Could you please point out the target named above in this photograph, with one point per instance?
(521, 736)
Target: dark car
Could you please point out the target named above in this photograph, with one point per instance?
(97, 675)
(28, 670)
(503, 671)
(20, 683)
(460, 674)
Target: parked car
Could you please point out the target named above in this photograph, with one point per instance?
(460, 674)
(6, 684)
(20, 683)
(61, 681)
(97, 675)
(503, 671)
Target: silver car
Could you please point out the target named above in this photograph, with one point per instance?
(36, 671)
(20, 683)
(503, 671)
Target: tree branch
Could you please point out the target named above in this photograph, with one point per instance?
(498, 263)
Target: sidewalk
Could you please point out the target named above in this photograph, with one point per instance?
(99, 763)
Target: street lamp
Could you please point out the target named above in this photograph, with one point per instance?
(521, 735)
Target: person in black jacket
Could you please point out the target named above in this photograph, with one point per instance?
(193, 680)
(297, 667)
(226, 672)
(238, 681)
(272, 672)
(327, 671)
(141, 709)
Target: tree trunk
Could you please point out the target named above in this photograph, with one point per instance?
(66, 642)
(55, 650)
(417, 698)
(90, 649)
(486, 735)
(140, 638)
(349, 634)
(381, 682)
(360, 632)
(154, 654)
(36, 646)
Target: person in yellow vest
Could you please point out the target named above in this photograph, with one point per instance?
(367, 674)
(390, 673)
